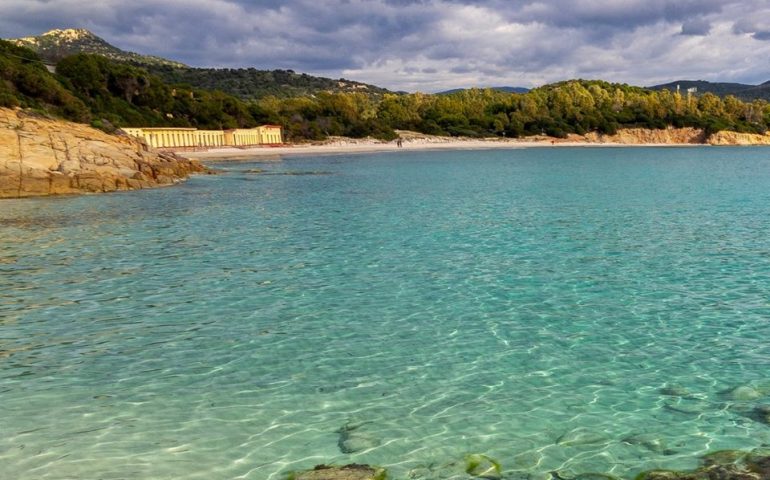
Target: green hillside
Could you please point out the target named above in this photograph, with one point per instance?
(245, 83)
(92, 88)
(25, 82)
(251, 83)
(109, 94)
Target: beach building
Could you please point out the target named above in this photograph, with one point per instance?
(165, 137)
(271, 134)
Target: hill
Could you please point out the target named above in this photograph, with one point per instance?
(91, 88)
(113, 94)
(497, 89)
(743, 91)
(56, 44)
(251, 83)
(761, 91)
(244, 83)
(110, 94)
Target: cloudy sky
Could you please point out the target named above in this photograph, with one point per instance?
(431, 45)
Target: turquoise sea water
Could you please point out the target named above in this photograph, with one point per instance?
(571, 310)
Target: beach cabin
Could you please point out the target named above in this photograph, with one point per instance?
(174, 138)
(270, 135)
(165, 137)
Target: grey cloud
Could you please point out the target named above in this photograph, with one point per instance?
(753, 28)
(421, 43)
(699, 26)
(461, 69)
(743, 26)
(618, 15)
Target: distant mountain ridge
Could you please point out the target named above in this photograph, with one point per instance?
(497, 89)
(56, 44)
(745, 92)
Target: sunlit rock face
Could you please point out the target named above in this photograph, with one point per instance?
(40, 156)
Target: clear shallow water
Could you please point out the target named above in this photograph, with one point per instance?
(531, 305)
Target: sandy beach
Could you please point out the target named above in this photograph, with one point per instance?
(411, 141)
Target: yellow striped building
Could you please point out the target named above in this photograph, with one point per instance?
(193, 138)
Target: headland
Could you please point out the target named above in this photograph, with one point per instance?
(42, 156)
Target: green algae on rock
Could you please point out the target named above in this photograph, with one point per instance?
(352, 471)
(721, 465)
(482, 466)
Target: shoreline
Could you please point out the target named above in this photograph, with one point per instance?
(414, 141)
(352, 146)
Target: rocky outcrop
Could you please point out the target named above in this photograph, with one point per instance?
(642, 136)
(40, 156)
(735, 138)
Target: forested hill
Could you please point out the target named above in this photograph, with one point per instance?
(109, 94)
(251, 83)
(245, 83)
(742, 91)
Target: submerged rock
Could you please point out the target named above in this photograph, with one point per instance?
(674, 390)
(691, 406)
(481, 466)
(761, 413)
(353, 440)
(760, 465)
(345, 472)
(721, 465)
(723, 457)
(584, 476)
(259, 171)
(300, 173)
(647, 440)
(714, 472)
(580, 436)
(743, 393)
(596, 476)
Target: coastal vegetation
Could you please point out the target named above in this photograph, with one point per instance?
(251, 83)
(110, 94)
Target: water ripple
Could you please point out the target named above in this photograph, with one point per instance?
(589, 310)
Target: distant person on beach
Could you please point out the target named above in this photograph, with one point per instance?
(399, 143)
